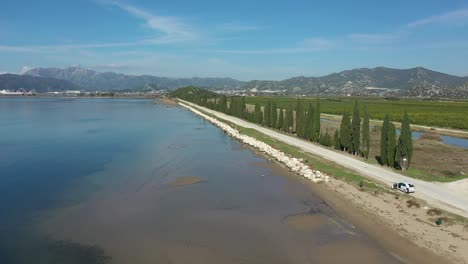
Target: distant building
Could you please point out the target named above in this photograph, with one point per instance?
(7, 92)
(73, 92)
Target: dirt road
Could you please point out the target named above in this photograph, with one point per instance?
(436, 194)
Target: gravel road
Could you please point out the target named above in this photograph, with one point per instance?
(436, 194)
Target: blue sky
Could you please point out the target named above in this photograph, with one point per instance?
(240, 39)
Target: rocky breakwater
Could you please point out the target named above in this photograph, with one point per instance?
(296, 165)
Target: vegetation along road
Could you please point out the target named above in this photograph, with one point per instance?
(437, 194)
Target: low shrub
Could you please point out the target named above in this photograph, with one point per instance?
(411, 203)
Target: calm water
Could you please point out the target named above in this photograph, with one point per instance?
(89, 181)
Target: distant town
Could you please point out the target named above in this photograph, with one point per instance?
(80, 93)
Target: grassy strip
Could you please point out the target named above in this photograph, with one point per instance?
(316, 162)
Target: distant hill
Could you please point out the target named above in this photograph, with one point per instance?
(186, 92)
(93, 80)
(15, 82)
(376, 81)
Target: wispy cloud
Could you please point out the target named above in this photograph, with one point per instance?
(170, 29)
(375, 38)
(454, 17)
(63, 47)
(237, 27)
(305, 46)
(317, 43)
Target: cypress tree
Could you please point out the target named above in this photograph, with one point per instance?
(267, 110)
(316, 125)
(274, 115)
(289, 119)
(391, 145)
(355, 131)
(345, 132)
(243, 107)
(365, 134)
(405, 142)
(286, 120)
(325, 140)
(224, 105)
(229, 106)
(328, 139)
(383, 140)
(280, 124)
(300, 122)
(258, 114)
(238, 109)
(309, 130)
(336, 139)
(398, 156)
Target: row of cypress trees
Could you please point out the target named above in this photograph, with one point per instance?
(395, 153)
(351, 137)
(308, 121)
(355, 139)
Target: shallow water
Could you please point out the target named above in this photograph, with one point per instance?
(454, 141)
(92, 181)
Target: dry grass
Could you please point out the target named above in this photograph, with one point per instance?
(431, 136)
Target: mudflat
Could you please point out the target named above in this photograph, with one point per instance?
(185, 180)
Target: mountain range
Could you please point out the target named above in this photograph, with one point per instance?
(363, 81)
(93, 80)
(372, 81)
(14, 82)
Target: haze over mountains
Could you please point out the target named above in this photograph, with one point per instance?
(364, 81)
(92, 80)
(15, 82)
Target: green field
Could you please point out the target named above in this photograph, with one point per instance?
(450, 114)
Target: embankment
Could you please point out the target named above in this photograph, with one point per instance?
(296, 165)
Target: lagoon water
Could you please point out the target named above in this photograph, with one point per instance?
(92, 181)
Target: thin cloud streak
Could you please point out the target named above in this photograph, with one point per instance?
(64, 47)
(172, 28)
(237, 27)
(305, 46)
(455, 17)
(375, 38)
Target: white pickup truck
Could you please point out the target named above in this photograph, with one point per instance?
(404, 187)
